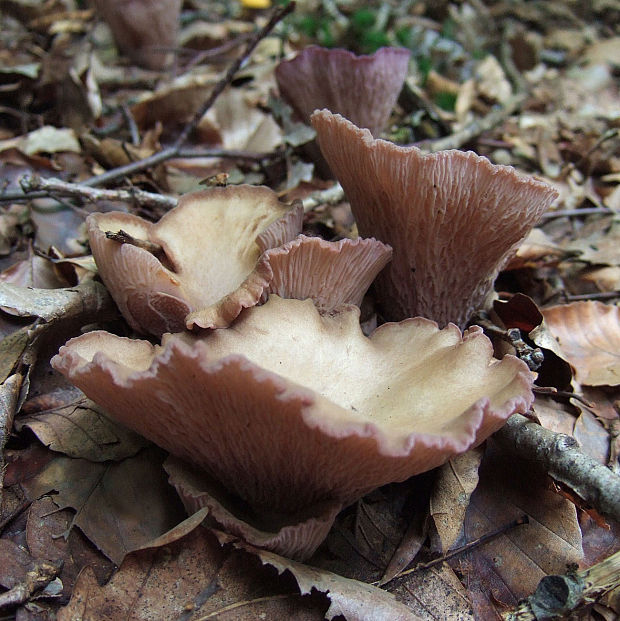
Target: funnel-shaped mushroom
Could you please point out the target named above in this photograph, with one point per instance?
(210, 245)
(289, 408)
(452, 218)
(329, 273)
(144, 30)
(364, 89)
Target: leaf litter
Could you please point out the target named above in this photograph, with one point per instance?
(74, 108)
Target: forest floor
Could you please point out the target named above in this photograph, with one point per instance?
(90, 527)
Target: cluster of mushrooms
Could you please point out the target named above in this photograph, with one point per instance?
(276, 409)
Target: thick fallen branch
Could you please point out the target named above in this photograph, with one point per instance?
(560, 457)
(556, 596)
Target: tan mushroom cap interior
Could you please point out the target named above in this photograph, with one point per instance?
(364, 89)
(452, 218)
(212, 242)
(289, 407)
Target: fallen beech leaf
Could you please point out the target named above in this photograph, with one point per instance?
(589, 334)
(436, 593)
(350, 598)
(15, 562)
(46, 139)
(553, 415)
(592, 436)
(411, 542)
(192, 578)
(120, 506)
(35, 271)
(80, 428)
(600, 248)
(10, 393)
(45, 524)
(537, 250)
(455, 483)
(509, 567)
(89, 298)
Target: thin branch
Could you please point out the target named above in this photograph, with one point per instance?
(172, 151)
(524, 519)
(33, 184)
(122, 237)
(560, 457)
(572, 213)
(477, 127)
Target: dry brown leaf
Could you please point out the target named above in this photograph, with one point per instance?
(74, 425)
(592, 436)
(600, 247)
(554, 415)
(189, 579)
(436, 594)
(88, 299)
(15, 562)
(45, 528)
(510, 566)
(454, 486)
(589, 334)
(120, 506)
(352, 599)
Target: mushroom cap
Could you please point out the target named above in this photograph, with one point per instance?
(330, 273)
(452, 218)
(364, 89)
(212, 243)
(289, 407)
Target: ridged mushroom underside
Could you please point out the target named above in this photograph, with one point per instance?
(329, 273)
(364, 89)
(452, 218)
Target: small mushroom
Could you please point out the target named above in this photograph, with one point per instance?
(330, 273)
(364, 89)
(452, 218)
(290, 408)
(145, 30)
(207, 263)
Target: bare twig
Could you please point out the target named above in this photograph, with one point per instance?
(554, 393)
(557, 596)
(36, 579)
(573, 213)
(9, 400)
(560, 457)
(524, 519)
(122, 237)
(172, 151)
(33, 183)
(477, 127)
